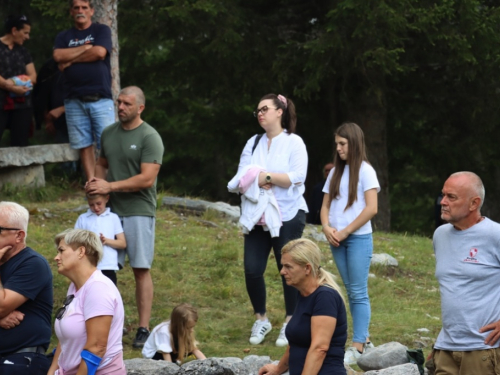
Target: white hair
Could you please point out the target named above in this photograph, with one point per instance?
(476, 184)
(17, 216)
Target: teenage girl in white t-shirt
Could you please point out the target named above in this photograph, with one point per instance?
(349, 203)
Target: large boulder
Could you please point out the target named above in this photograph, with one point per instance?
(204, 367)
(142, 366)
(199, 206)
(249, 365)
(383, 356)
(383, 260)
(406, 369)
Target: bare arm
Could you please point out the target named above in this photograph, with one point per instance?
(97, 338)
(119, 243)
(12, 320)
(198, 354)
(54, 366)
(279, 179)
(67, 55)
(167, 357)
(366, 215)
(141, 181)
(9, 85)
(101, 168)
(327, 229)
(280, 368)
(31, 72)
(95, 53)
(9, 300)
(322, 328)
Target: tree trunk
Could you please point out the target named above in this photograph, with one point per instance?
(369, 111)
(106, 12)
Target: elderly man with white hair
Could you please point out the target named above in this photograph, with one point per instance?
(25, 297)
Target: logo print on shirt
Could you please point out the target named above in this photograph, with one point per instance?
(472, 256)
(133, 147)
(89, 39)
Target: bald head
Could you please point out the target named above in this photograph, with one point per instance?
(471, 182)
(136, 92)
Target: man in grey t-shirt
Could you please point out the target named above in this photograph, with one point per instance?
(467, 253)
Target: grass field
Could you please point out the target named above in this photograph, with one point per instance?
(200, 260)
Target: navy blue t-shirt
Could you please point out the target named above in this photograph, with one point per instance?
(324, 301)
(91, 77)
(28, 273)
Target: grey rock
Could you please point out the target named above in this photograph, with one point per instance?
(41, 154)
(423, 330)
(31, 176)
(383, 356)
(406, 369)
(142, 366)
(83, 207)
(199, 206)
(311, 231)
(384, 260)
(250, 365)
(420, 344)
(204, 367)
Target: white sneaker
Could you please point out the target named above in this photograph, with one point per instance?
(259, 330)
(368, 346)
(351, 356)
(282, 341)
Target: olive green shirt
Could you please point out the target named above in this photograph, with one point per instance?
(125, 151)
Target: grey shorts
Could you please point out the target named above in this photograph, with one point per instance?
(140, 235)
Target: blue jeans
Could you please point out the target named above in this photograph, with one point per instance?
(353, 258)
(258, 245)
(87, 120)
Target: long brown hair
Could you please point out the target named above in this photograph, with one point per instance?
(182, 338)
(356, 154)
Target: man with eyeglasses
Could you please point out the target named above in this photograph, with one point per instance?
(25, 297)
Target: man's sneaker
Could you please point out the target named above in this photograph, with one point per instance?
(368, 346)
(259, 330)
(140, 337)
(282, 341)
(351, 356)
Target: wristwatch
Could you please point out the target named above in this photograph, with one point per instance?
(268, 178)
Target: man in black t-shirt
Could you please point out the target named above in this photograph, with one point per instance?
(83, 54)
(25, 297)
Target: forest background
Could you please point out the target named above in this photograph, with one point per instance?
(421, 77)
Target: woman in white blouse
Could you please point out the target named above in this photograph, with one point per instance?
(277, 161)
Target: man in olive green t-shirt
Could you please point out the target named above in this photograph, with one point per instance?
(130, 159)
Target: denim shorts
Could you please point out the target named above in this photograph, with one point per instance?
(87, 120)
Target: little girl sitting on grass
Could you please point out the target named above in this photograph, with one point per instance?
(174, 339)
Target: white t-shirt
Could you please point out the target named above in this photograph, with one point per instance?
(288, 155)
(97, 297)
(338, 218)
(108, 223)
(158, 341)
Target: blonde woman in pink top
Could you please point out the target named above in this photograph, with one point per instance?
(89, 325)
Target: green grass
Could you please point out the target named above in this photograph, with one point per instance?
(202, 264)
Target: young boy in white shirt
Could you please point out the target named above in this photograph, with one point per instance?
(100, 220)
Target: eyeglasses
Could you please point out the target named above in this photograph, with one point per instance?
(62, 310)
(3, 228)
(263, 110)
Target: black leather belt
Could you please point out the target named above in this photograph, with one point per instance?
(90, 98)
(31, 349)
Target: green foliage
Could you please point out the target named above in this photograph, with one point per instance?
(424, 72)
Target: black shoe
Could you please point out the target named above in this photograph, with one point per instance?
(140, 337)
